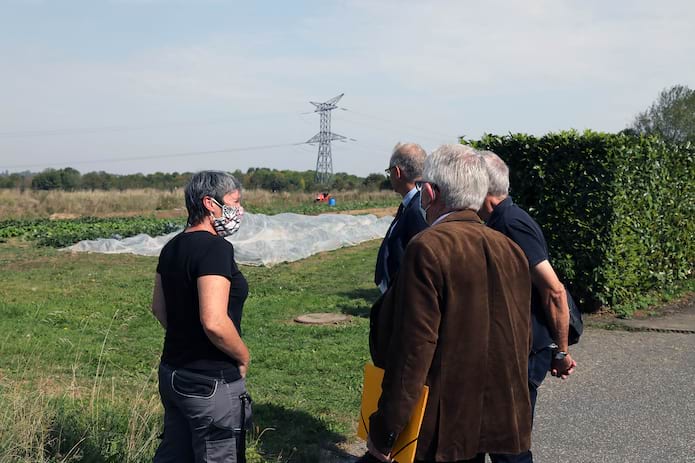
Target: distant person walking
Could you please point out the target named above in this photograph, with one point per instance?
(549, 310)
(198, 298)
(405, 168)
(460, 323)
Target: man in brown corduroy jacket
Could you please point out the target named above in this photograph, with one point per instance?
(457, 319)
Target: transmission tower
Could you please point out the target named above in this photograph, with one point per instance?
(324, 162)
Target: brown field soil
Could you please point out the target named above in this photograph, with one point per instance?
(181, 213)
(377, 211)
(160, 214)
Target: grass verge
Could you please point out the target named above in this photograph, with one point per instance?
(79, 348)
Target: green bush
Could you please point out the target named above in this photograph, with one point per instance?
(617, 210)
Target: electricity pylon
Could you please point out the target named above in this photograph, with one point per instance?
(324, 162)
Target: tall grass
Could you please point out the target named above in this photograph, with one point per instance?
(26, 420)
(44, 419)
(29, 204)
(68, 204)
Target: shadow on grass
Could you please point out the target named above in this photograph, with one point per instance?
(293, 436)
(360, 303)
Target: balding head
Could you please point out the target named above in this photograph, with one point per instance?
(410, 159)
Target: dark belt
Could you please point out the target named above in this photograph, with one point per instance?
(229, 375)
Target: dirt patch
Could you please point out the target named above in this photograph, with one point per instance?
(377, 211)
(676, 313)
(674, 307)
(178, 213)
(63, 216)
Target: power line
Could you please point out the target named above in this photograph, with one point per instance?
(123, 128)
(400, 124)
(161, 156)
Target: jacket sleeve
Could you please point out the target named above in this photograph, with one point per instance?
(412, 345)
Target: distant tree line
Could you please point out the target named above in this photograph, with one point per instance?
(69, 179)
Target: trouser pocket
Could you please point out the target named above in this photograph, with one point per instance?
(189, 384)
(221, 451)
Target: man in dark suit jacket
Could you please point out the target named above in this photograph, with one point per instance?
(458, 320)
(405, 168)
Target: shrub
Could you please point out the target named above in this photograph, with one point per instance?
(617, 210)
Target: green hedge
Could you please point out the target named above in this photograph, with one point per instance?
(617, 210)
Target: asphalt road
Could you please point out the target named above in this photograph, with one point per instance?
(632, 399)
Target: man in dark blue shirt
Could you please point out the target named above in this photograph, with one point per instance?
(549, 309)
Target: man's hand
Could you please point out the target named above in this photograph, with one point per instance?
(375, 452)
(243, 368)
(563, 368)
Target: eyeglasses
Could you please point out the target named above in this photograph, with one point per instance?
(388, 171)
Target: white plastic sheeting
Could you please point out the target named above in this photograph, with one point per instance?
(266, 239)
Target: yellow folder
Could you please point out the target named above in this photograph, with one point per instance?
(404, 448)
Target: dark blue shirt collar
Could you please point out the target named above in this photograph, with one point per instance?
(498, 211)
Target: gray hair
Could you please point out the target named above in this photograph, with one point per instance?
(459, 173)
(213, 183)
(498, 174)
(410, 158)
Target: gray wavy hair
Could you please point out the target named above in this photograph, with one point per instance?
(498, 174)
(459, 173)
(213, 183)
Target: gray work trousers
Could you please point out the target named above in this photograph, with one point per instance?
(204, 417)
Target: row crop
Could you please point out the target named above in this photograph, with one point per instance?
(65, 232)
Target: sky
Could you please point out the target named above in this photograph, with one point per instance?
(128, 86)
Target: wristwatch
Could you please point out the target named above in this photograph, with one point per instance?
(559, 354)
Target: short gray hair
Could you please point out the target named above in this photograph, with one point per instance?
(498, 174)
(213, 183)
(459, 173)
(410, 158)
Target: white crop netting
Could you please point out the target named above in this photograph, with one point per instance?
(266, 239)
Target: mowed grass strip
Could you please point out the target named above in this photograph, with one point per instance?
(77, 334)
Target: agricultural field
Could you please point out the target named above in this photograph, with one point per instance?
(80, 349)
(29, 204)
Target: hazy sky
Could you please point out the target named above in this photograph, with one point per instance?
(131, 86)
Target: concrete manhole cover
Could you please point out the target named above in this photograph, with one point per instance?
(322, 318)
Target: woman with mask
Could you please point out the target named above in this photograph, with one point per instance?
(198, 298)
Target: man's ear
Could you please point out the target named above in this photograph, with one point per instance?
(397, 172)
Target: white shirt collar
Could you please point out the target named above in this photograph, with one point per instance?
(440, 218)
(409, 196)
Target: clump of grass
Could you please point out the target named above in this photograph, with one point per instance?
(26, 420)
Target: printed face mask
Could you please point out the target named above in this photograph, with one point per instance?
(230, 221)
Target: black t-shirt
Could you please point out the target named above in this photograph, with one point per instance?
(182, 261)
(515, 223)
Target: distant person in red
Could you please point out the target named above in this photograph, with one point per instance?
(198, 298)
